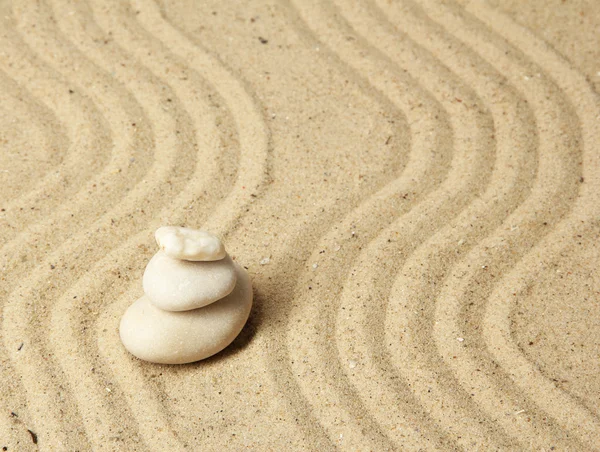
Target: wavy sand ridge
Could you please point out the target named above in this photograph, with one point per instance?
(567, 411)
(144, 192)
(548, 202)
(249, 123)
(252, 163)
(51, 89)
(476, 222)
(389, 191)
(306, 357)
(412, 169)
(208, 140)
(359, 337)
(47, 138)
(65, 320)
(80, 138)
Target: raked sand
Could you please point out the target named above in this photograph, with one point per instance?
(413, 186)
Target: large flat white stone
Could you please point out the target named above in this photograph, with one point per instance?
(166, 337)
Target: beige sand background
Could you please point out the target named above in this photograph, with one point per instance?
(424, 176)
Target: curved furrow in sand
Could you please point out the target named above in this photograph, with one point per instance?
(33, 142)
(126, 126)
(156, 431)
(143, 199)
(254, 149)
(363, 302)
(79, 135)
(65, 318)
(86, 130)
(107, 380)
(305, 230)
(431, 152)
(320, 361)
(249, 122)
(26, 123)
(521, 232)
(441, 253)
(566, 410)
(102, 185)
(126, 123)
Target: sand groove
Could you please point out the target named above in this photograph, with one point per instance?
(324, 363)
(14, 309)
(150, 434)
(395, 192)
(568, 412)
(448, 344)
(410, 168)
(63, 311)
(47, 137)
(549, 201)
(84, 133)
(83, 386)
(356, 322)
(40, 78)
(249, 123)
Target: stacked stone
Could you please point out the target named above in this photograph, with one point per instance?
(196, 300)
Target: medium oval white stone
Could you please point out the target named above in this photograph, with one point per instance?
(189, 244)
(176, 285)
(167, 337)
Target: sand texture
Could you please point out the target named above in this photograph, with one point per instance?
(413, 186)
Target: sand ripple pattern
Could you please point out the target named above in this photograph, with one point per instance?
(412, 169)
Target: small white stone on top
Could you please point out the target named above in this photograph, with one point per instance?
(189, 244)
